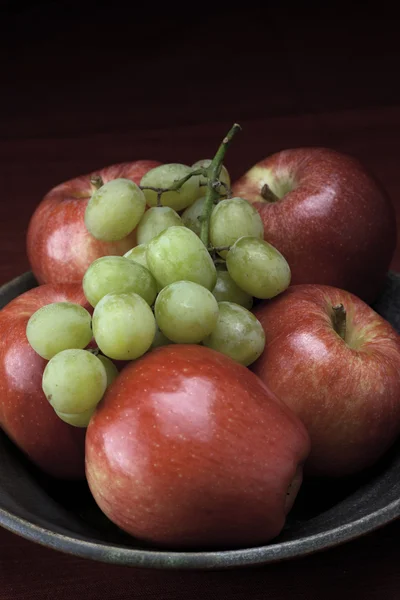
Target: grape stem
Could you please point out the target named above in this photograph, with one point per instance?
(96, 181)
(214, 250)
(213, 183)
(175, 186)
(227, 192)
(95, 351)
(212, 174)
(218, 248)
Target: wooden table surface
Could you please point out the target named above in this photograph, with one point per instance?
(87, 84)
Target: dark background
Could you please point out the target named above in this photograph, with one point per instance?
(85, 67)
(84, 84)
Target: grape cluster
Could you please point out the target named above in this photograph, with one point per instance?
(170, 288)
(75, 378)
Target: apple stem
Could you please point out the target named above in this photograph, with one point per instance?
(213, 183)
(339, 320)
(268, 194)
(96, 181)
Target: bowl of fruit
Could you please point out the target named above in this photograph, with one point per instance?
(197, 374)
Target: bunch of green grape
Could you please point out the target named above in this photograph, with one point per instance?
(170, 288)
(76, 376)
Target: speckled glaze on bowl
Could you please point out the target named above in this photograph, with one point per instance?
(65, 517)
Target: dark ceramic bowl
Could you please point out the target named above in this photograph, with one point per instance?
(65, 517)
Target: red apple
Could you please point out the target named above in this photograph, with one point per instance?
(59, 246)
(346, 390)
(328, 216)
(25, 414)
(190, 449)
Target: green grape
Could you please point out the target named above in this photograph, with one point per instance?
(59, 326)
(114, 210)
(123, 326)
(224, 177)
(238, 334)
(186, 312)
(78, 419)
(258, 267)
(160, 339)
(165, 176)
(118, 275)
(111, 369)
(138, 255)
(232, 219)
(82, 419)
(74, 381)
(178, 254)
(154, 221)
(226, 290)
(191, 216)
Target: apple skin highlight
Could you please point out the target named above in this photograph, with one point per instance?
(189, 449)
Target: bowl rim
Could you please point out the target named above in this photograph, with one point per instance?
(107, 552)
(201, 560)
